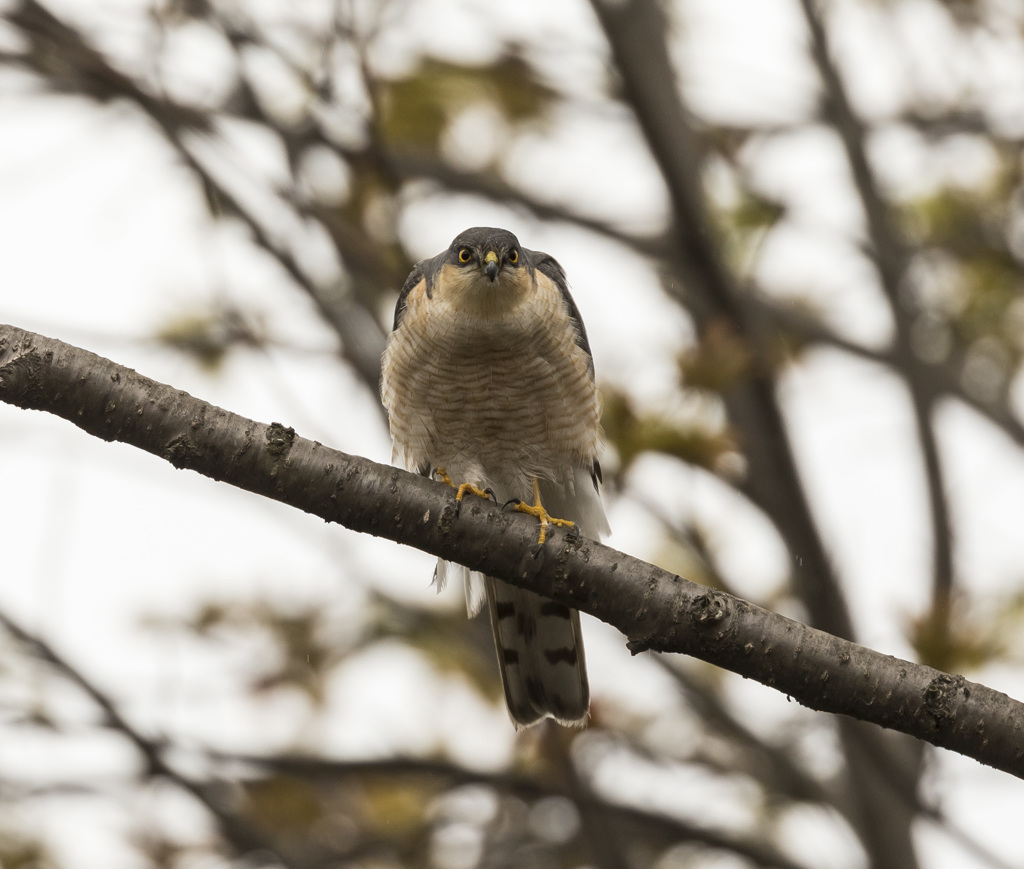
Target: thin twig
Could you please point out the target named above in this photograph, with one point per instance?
(242, 836)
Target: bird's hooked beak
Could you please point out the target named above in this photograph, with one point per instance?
(491, 265)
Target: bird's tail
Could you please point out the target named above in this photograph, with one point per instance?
(540, 656)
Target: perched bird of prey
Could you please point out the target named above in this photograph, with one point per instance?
(489, 385)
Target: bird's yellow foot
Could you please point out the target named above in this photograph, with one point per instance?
(537, 509)
(442, 475)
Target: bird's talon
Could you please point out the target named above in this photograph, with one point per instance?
(472, 490)
(537, 510)
(441, 475)
(511, 501)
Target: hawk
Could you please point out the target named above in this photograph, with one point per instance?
(488, 381)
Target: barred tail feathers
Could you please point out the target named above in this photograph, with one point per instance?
(538, 641)
(540, 656)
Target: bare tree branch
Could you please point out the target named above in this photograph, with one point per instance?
(892, 260)
(636, 34)
(421, 164)
(245, 838)
(654, 609)
(241, 834)
(68, 63)
(673, 829)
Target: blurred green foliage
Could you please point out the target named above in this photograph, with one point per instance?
(208, 335)
(20, 851)
(416, 109)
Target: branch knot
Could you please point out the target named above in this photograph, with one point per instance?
(941, 698)
(279, 440)
(708, 609)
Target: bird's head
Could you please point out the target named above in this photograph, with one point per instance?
(483, 260)
(487, 251)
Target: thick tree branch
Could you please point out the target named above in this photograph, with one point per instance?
(653, 608)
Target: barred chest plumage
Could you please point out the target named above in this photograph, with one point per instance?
(504, 389)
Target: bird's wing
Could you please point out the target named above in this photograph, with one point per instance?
(590, 510)
(424, 270)
(551, 269)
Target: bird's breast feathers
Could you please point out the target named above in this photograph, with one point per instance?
(492, 374)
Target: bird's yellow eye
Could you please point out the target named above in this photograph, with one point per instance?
(513, 256)
(465, 255)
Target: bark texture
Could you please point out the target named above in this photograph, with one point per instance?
(656, 610)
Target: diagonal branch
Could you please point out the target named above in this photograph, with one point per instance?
(892, 260)
(242, 835)
(636, 34)
(413, 163)
(653, 608)
(935, 379)
(68, 63)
